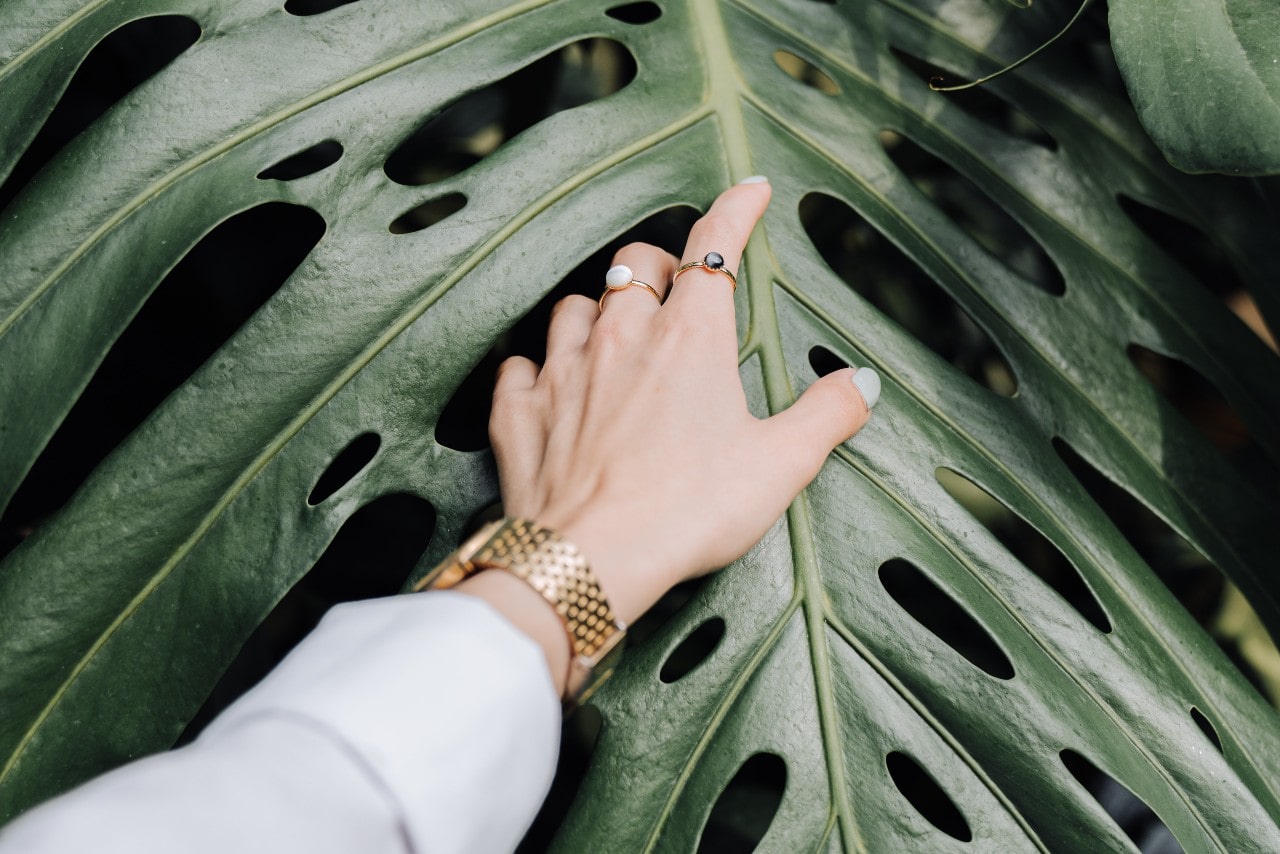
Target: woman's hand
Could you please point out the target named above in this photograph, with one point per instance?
(633, 440)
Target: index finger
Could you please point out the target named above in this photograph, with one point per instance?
(724, 230)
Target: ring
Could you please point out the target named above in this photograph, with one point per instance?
(620, 278)
(712, 261)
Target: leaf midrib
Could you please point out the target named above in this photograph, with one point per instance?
(779, 396)
(722, 94)
(821, 615)
(727, 91)
(1030, 344)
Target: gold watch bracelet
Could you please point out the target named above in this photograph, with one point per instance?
(559, 573)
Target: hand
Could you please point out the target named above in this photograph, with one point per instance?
(633, 440)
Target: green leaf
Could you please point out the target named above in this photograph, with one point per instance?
(118, 615)
(1205, 79)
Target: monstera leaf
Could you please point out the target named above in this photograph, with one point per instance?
(888, 653)
(1205, 78)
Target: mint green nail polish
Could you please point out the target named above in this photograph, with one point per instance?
(868, 383)
(755, 179)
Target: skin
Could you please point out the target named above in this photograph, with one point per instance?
(633, 441)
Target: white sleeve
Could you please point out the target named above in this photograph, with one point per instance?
(423, 723)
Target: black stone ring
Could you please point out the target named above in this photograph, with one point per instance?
(712, 262)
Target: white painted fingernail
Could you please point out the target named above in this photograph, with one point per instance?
(755, 179)
(868, 383)
(618, 276)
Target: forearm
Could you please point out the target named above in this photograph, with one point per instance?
(427, 718)
(527, 611)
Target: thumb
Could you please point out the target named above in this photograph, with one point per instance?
(829, 412)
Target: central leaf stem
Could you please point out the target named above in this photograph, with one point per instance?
(725, 96)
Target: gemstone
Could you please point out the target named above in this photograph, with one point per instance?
(714, 261)
(619, 276)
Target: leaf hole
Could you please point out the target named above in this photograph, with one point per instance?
(981, 102)
(309, 161)
(745, 809)
(693, 650)
(1206, 727)
(428, 213)
(304, 8)
(976, 213)
(1197, 584)
(881, 273)
(635, 13)
(920, 597)
(349, 463)
(924, 793)
(122, 61)
(1190, 247)
(1192, 579)
(824, 362)
(664, 612)
(1132, 814)
(221, 281)
(806, 72)
(474, 126)
(1198, 401)
(463, 424)
(1027, 544)
(371, 555)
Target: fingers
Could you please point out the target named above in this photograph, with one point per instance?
(643, 263)
(516, 373)
(571, 322)
(515, 427)
(829, 412)
(724, 230)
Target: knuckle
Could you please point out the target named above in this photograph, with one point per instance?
(570, 305)
(507, 368)
(633, 250)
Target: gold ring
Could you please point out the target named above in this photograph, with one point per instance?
(619, 278)
(712, 262)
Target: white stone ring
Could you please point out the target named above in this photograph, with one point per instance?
(620, 278)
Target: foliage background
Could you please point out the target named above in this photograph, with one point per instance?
(922, 200)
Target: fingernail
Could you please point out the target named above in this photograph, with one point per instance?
(868, 383)
(755, 179)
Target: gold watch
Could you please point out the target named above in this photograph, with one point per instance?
(558, 571)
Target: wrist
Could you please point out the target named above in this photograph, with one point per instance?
(632, 576)
(630, 590)
(553, 570)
